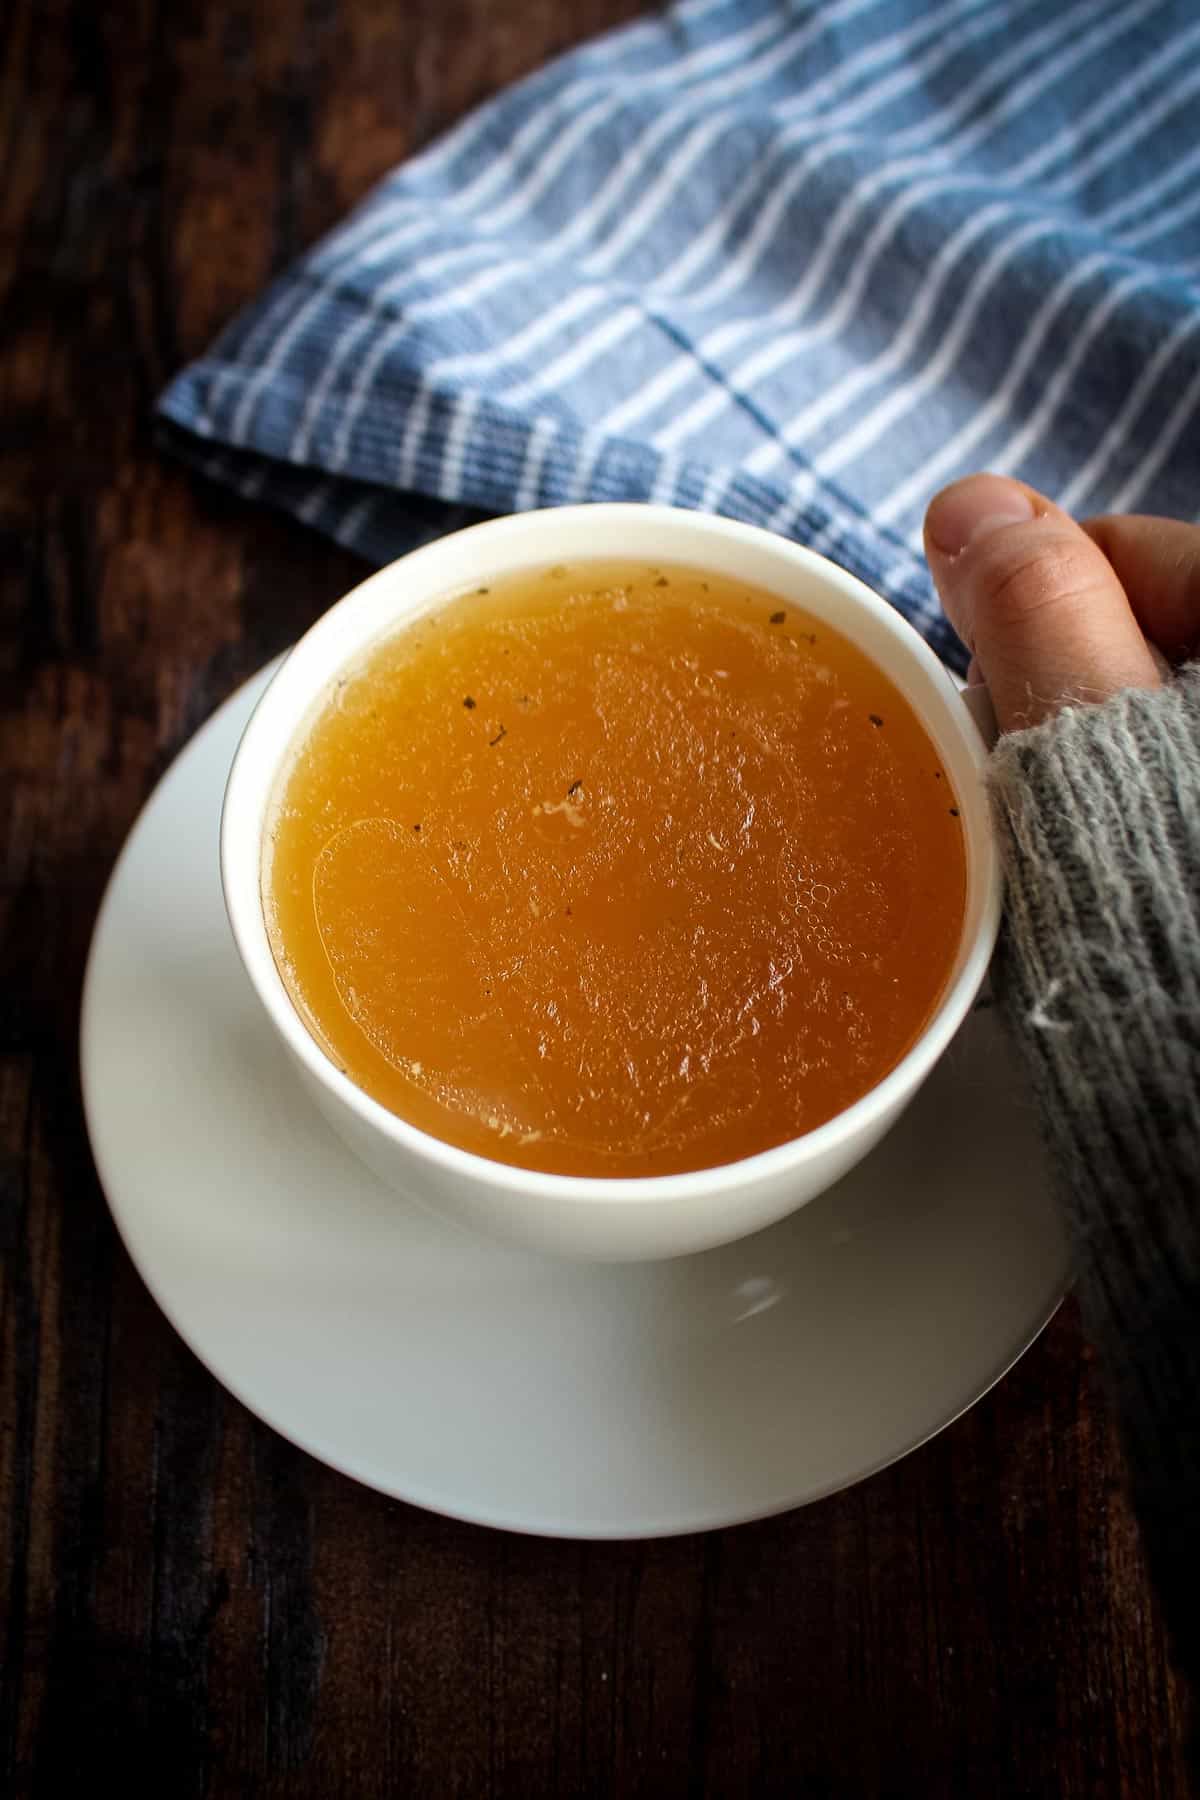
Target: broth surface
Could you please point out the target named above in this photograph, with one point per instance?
(615, 870)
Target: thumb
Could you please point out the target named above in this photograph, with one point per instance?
(1036, 602)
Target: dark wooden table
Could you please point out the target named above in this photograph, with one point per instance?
(188, 1604)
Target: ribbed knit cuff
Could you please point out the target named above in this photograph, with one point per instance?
(1098, 970)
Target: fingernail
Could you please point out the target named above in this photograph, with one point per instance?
(968, 510)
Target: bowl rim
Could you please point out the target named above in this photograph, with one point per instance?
(244, 819)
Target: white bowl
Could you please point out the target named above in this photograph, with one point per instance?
(616, 1219)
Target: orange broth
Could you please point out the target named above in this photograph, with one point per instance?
(615, 870)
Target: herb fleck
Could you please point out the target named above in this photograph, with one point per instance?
(662, 582)
(483, 590)
(777, 618)
(502, 733)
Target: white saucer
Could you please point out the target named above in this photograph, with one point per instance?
(491, 1384)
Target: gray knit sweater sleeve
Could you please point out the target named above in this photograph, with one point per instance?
(1099, 974)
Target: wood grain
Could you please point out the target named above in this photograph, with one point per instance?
(188, 1604)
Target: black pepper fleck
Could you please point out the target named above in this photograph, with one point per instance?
(502, 733)
(662, 582)
(954, 812)
(575, 787)
(875, 719)
(416, 828)
(777, 618)
(469, 704)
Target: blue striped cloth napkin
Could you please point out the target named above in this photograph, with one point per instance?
(799, 263)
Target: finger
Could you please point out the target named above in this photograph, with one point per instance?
(1157, 562)
(1034, 599)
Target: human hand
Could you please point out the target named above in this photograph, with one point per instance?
(1053, 611)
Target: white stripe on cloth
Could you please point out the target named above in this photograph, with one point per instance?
(1120, 431)
(505, 268)
(462, 297)
(783, 349)
(1164, 222)
(729, 335)
(985, 418)
(541, 435)
(575, 305)
(378, 214)
(356, 248)
(457, 438)
(1009, 458)
(1182, 414)
(709, 68)
(738, 270)
(556, 374)
(930, 228)
(903, 397)
(713, 242)
(607, 198)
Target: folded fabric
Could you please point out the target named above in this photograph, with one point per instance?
(799, 263)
